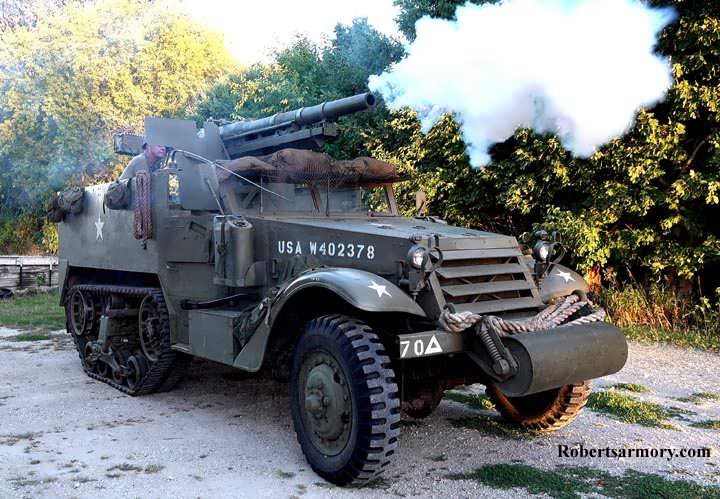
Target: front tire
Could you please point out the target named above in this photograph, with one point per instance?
(344, 400)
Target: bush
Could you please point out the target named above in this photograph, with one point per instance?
(658, 307)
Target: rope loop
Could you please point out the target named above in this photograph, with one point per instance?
(554, 315)
(142, 223)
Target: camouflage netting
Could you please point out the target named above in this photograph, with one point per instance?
(301, 166)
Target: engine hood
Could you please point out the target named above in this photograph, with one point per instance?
(481, 272)
(450, 237)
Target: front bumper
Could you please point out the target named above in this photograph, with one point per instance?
(546, 359)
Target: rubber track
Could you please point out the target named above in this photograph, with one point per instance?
(159, 370)
(176, 373)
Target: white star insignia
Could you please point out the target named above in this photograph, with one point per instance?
(565, 275)
(381, 290)
(98, 229)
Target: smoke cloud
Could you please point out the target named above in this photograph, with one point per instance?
(579, 69)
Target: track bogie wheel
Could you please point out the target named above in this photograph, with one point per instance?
(150, 328)
(88, 356)
(118, 374)
(80, 312)
(103, 368)
(344, 400)
(137, 367)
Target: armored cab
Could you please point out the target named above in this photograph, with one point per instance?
(248, 252)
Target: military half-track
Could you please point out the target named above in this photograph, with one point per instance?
(248, 253)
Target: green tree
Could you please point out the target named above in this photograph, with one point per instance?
(645, 205)
(72, 77)
(412, 10)
(306, 73)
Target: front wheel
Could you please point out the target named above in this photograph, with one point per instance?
(344, 401)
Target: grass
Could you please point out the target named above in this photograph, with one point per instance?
(699, 397)
(710, 424)
(39, 311)
(631, 387)
(125, 467)
(631, 410)
(575, 482)
(657, 313)
(684, 338)
(378, 482)
(493, 426)
(476, 401)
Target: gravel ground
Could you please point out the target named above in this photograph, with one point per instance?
(224, 434)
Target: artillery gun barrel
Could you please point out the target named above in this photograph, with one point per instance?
(327, 111)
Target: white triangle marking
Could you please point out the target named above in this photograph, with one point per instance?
(433, 346)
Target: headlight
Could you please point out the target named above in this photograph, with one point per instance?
(542, 250)
(417, 257)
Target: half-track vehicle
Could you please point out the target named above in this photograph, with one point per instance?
(247, 249)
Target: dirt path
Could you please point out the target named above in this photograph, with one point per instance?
(221, 434)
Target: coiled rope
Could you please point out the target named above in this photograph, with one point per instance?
(552, 316)
(142, 224)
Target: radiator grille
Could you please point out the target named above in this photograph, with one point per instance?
(487, 281)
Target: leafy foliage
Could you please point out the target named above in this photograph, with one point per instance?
(412, 10)
(77, 74)
(644, 206)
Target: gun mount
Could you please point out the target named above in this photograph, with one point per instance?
(307, 124)
(304, 128)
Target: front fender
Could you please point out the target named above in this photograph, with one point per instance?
(361, 289)
(561, 281)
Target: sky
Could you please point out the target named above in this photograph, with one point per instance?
(253, 28)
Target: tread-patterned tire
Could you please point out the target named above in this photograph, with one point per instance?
(545, 411)
(372, 427)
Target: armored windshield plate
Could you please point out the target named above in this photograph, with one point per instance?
(129, 144)
(178, 134)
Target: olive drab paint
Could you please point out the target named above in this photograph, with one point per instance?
(235, 270)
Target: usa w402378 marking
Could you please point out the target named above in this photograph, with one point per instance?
(327, 248)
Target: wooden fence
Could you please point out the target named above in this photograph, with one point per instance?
(23, 272)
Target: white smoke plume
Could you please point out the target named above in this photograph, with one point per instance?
(576, 68)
